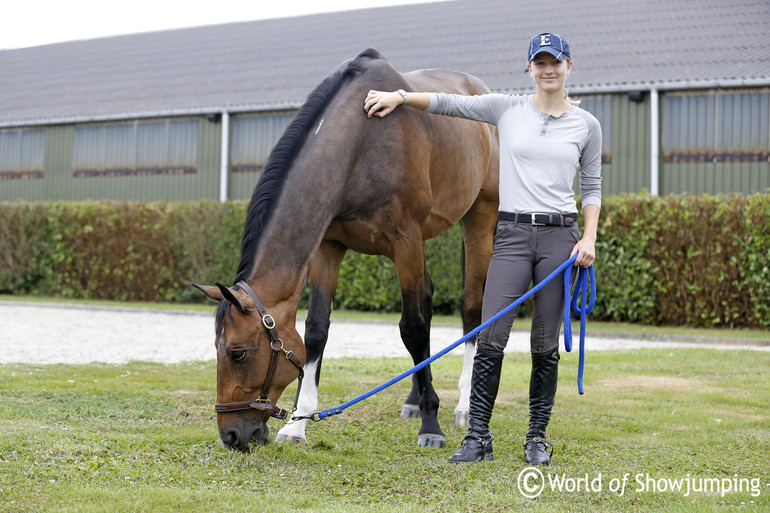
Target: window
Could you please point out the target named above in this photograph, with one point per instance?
(22, 154)
(716, 126)
(253, 137)
(157, 147)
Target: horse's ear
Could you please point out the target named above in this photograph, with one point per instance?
(228, 294)
(212, 292)
(220, 292)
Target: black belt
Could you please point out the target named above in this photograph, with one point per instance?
(539, 219)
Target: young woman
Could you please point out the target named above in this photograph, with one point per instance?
(545, 138)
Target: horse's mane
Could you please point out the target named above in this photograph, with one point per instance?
(274, 176)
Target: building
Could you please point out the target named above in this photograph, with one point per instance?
(681, 88)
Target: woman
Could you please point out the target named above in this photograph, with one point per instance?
(544, 140)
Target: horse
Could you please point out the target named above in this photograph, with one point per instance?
(338, 181)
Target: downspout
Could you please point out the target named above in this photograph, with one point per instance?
(654, 142)
(225, 157)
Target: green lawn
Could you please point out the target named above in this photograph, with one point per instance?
(142, 437)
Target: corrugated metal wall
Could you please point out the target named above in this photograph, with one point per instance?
(252, 138)
(167, 159)
(711, 142)
(630, 169)
(716, 141)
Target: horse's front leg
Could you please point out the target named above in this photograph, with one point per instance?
(323, 282)
(416, 311)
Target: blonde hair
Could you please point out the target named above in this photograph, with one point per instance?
(566, 94)
(571, 100)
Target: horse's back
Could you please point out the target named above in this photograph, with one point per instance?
(445, 81)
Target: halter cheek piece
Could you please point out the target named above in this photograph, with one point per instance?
(276, 345)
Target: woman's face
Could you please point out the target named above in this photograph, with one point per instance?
(548, 73)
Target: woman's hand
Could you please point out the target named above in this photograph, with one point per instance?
(586, 245)
(586, 250)
(381, 103)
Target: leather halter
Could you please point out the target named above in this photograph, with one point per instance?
(276, 346)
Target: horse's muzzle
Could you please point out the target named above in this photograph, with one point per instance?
(239, 439)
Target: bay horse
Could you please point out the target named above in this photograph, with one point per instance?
(337, 180)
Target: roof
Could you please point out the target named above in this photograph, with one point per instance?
(273, 64)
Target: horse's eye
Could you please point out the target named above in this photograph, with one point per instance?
(237, 356)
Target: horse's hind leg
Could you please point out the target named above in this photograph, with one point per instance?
(478, 229)
(415, 332)
(323, 282)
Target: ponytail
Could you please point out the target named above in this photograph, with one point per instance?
(570, 100)
(566, 94)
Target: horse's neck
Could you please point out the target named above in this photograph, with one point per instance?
(291, 239)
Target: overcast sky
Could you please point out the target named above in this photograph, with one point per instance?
(37, 22)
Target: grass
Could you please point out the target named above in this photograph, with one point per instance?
(595, 327)
(142, 437)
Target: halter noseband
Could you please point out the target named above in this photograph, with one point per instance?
(276, 346)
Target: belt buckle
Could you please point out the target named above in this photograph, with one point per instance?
(532, 219)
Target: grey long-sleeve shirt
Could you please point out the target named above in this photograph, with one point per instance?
(539, 153)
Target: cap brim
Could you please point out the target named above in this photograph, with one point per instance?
(552, 51)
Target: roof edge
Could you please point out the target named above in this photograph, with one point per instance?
(678, 85)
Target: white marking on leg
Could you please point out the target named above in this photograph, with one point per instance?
(465, 380)
(307, 404)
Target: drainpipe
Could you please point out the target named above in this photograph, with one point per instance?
(225, 157)
(654, 142)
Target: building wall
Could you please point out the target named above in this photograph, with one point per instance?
(64, 177)
(715, 141)
(711, 142)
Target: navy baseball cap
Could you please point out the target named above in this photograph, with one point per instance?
(550, 43)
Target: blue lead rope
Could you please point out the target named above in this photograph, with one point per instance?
(582, 285)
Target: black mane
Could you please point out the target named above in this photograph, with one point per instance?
(269, 186)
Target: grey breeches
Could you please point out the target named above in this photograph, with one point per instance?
(523, 255)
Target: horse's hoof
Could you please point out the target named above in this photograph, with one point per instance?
(433, 441)
(290, 439)
(461, 418)
(410, 411)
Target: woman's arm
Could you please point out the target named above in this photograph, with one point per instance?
(381, 103)
(586, 245)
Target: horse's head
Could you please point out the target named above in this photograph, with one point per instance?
(254, 363)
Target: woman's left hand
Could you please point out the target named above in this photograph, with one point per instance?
(586, 250)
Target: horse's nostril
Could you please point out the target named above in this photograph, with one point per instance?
(229, 437)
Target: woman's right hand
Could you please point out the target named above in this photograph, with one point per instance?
(381, 103)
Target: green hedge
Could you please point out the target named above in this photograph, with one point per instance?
(677, 260)
(685, 260)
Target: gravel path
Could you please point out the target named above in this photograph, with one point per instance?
(62, 333)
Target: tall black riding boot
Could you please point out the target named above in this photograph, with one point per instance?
(542, 391)
(485, 382)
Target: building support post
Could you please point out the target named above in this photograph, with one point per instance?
(654, 143)
(225, 157)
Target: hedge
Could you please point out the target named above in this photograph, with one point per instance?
(674, 260)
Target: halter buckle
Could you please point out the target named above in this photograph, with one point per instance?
(268, 321)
